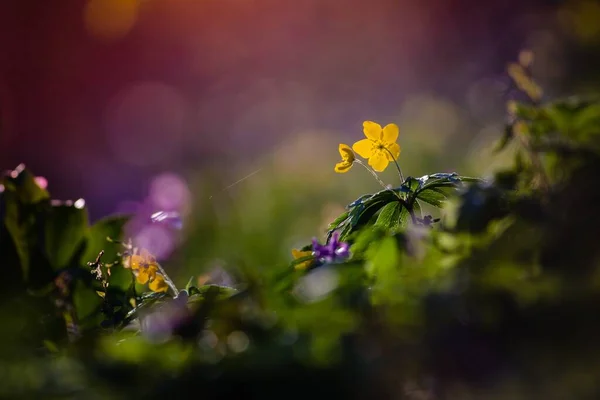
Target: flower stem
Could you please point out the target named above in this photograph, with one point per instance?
(380, 181)
(397, 165)
(168, 280)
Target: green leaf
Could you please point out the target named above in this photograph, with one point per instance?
(417, 209)
(525, 111)
(23, 223)
(436, 196)
(504, 141)
(220, 292)
(389, 217)
(404, 217)
(65, 230)
(22, 182)
(190, 284)
(361, 215)
(384, 267)
(338, 220)
(86, 300)
(587, 123)
(111, 227)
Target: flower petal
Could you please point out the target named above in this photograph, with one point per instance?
(390, 133)
(303, 265)
(379, 161)
(134, 262)
(142, 276)
(394, 149)
(364, 148)
(346, 152)
(372, 130)
(158, 284)
(299, 254)
(342, 167)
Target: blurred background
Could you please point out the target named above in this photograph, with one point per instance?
(197, 103)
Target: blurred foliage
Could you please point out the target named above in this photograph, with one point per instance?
(455, 287)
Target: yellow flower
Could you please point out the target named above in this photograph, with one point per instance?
(524, 82)
(158, 284)
(301, 254)
(380, 146)
(348, 158)
(144, 266)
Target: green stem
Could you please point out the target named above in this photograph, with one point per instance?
(402, 201)
(397, 165)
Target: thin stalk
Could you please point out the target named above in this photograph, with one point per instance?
(168, 280)
(397, 165)
(402, 201)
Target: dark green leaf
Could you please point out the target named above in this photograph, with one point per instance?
(433, 196)
(23, 223)
(389, 217)
(65, 229)
(111, 227)
(22, 182)
(338, 220)
(505, 140)
(86, 300)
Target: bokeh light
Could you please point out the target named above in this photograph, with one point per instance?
(169, 192)
(109, 20)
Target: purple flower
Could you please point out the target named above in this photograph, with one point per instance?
(332, 251)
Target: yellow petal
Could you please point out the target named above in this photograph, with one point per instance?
(379, 161)
(364, 148)
(342, 167)
(143, 276)
(390, 133)
(372, 130)
(134, 262)
(299, 254)
(303, 265)
(394, 149)
(158, 284)
(515, 71)
(346, 152)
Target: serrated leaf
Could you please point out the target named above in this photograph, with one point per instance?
(410, 184)
(433, 196)
(362, 215)
(404, 217)
(338, 220)
(389, 217)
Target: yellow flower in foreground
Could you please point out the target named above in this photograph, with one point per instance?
(144, 266)
(348, 158)
(301, 254)
(158, 284)
(380, 146)
(524, 82)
